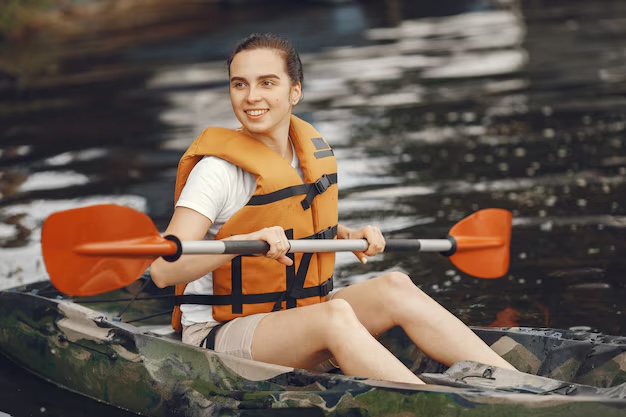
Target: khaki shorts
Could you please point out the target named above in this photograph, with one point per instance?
(235, 337)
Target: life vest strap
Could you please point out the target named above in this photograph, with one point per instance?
(309, 189)
(324, 289)
(317, 291)
(329, 233)
(292, 276)
(295, 281)
(319, 186)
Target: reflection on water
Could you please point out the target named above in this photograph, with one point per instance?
(435, 111)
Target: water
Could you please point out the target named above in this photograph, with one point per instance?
(435, 111)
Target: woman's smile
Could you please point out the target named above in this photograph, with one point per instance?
(256, 114)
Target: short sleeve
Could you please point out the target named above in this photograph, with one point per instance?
(206, 189)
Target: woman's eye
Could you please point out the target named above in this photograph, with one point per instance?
(238, 85)
(268, 82)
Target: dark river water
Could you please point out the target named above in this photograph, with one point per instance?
(435, 111)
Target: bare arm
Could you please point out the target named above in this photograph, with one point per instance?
(188, 224)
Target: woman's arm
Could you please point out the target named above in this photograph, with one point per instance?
(188, 224)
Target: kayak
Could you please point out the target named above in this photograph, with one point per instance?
(118, 347)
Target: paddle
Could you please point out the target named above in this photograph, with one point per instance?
(95, 249)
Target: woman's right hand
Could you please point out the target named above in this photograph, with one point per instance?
(276, 238)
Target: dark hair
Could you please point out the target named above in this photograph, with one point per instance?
(270, 41)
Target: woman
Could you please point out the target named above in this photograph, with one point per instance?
(233, 186)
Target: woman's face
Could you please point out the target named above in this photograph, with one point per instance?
(261, 91)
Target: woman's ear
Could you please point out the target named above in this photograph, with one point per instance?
(296, 93)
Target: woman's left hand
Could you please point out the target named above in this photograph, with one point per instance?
(374, 237)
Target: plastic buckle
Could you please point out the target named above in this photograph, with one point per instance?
(326, 287)
(322, 184)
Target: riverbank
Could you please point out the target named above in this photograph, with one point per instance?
(24, 19)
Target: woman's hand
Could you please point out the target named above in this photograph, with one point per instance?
(276, 238)
(372, 234)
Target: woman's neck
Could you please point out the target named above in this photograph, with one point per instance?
(277, 141)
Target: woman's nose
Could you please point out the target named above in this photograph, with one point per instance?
(253, 95)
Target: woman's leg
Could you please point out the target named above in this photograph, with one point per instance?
(306, 336)
(394, 300)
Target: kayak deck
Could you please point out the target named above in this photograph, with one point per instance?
(136, 362)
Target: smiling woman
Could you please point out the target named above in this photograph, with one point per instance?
(276, 179)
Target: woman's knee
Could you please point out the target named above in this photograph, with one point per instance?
(342, 325)
(339, 310)
(398, 282)
(341, 321)
(402, 297)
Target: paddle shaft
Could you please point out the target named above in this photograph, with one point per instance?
(297, 246)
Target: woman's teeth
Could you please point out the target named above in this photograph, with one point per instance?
(256, 112)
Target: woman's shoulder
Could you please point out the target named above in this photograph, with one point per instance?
(212, 166)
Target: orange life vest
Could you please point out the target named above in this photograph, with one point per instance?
(304, 209)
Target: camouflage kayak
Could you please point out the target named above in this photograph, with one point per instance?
(125, 354)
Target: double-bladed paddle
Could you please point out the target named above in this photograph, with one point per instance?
(95, 249)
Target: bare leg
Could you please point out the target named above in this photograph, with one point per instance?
(304, 337)
(394, 300)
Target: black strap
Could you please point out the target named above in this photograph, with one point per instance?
(320, 186)
(295, 282)
(209, 341)
(309, 189)
(260, 200)
(290, 279)
(329, 233)
(270, 297)
(321, 290)
(237, 285)
(300, 276)
(223, 300)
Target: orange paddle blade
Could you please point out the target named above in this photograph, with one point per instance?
(483, 243)
(72, 239)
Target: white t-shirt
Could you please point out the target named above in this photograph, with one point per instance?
(216, 189)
